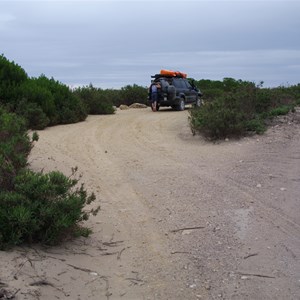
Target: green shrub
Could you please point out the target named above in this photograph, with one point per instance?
(240, 107)
(15, 147)
(53, 102)
(278, 111)
(96, 100)
(35, 207)
(43, 208)
(133, 94)
(10, 72)
(256, 125)
(35, 117)
(11, 76)
(33, 92)
(217, 120)
(68, 108)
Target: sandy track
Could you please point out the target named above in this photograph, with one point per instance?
(154, 182)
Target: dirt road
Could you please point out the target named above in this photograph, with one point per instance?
(181, 218)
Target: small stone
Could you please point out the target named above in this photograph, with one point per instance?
(258, 185)
(283, 189)
(93, 273)
(192, 286)
(244, 277)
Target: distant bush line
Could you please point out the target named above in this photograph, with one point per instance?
(233, 108)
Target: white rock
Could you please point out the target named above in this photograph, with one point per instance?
(138, 105)
(123, 106)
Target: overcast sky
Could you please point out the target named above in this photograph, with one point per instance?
(114, 43)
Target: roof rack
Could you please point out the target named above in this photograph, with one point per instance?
(156, 76)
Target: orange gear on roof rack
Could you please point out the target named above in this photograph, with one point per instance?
(173, 73)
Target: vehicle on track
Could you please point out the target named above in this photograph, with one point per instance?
(174, 90)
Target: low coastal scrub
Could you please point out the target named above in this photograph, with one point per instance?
(41, 101)
(234, 108)
(35, 207)
(97, 101)
(43, 208)
(101, 101)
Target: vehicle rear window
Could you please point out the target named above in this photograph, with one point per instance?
(179, 83)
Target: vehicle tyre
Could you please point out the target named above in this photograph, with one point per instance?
(181, 105)
(171, 92)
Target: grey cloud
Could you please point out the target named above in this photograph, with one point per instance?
(113, 43)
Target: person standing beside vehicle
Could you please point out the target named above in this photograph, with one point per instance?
(154, 94)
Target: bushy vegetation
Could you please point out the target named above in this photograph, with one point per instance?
(42, 208)
(35, 207)
(235, 107)
(46, 102)
(100, 101)
(97, 101)
(15, 147)
(41, 101)
(132, 94)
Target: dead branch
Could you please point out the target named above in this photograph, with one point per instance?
(109, 253)
(81, 269)
(41, 282)
(21, 265)
(107, 293)
(112, 244)
(250, 255)
(187, 228)
(14, 294)
(119, 254)
(61, 259)
(135, 280)
(256, 275)
(91, 281)
(47, 283)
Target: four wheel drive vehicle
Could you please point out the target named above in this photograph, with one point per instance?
(175, 90)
